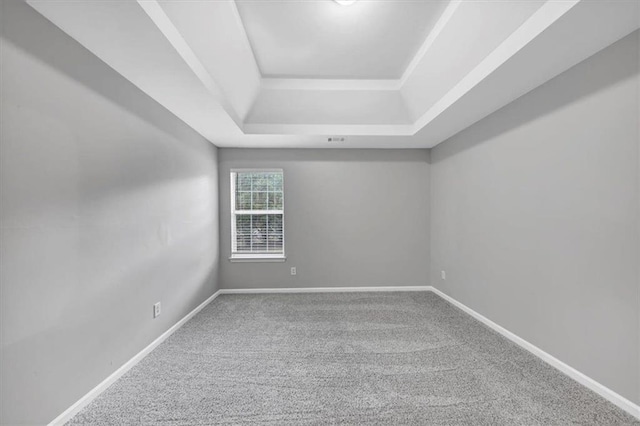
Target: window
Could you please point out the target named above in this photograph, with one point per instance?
(257, 214)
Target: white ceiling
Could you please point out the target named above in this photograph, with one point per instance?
(385, 74)
(322, 39)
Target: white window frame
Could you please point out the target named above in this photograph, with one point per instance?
(253, 256)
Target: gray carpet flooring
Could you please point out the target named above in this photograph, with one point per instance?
(343, 358)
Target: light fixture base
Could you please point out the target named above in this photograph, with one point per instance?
(345, 2)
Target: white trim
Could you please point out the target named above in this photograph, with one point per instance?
(404, 129)
(67, 414)
(256, 170)
(282, 83)
(260, 212)
(240, 23)
(322, 289)
(258, 258)
(251, 256)
(576, 375)
(442, 22)
(157, 14)
(232, 193)
(542, 19)
(608, 394)
(314, 83)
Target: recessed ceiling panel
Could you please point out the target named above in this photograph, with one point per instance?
(476, 59)
(322, 39)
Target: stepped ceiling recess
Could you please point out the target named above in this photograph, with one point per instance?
(381, 74)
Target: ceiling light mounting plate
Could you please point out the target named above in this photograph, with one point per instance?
(345, 2)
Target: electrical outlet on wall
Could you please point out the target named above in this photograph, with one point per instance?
(443, 275)
(156, 310)
(293, 270)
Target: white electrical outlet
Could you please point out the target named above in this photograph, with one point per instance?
(293, 270)
(156, 310)
(443, 275)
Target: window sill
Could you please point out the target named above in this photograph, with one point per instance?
(258, 258)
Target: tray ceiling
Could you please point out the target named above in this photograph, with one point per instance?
(322, 39)
(384, 74)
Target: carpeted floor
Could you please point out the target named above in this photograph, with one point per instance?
(343, 358)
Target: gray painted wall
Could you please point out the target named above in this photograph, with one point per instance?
(108, 204)
(535, 215)
(352, 218)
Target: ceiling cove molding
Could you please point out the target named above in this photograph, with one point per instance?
(240, 23)
(542, 19)
(329, 129)
(442, 22)
(171, 51)
(532, 27)
(164, 24)
(327, 84)
(276, 83)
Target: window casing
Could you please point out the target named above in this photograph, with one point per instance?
(257, 214)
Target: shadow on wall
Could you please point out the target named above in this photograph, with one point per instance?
(604, 70)
(170, 238)
(27, 29)
(278, 156)
(168, 160)
(112, 178)
(109, 203)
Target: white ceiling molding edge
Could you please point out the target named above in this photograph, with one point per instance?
(532, 43)
(164, 24)
(431, 38)
(238, 21)
(549, 13)
(268, 83)
(365, 84)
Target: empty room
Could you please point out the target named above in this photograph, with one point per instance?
(320, 212)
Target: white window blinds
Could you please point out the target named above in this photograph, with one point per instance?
(257, 213)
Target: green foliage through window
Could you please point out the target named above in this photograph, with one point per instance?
(257, 212)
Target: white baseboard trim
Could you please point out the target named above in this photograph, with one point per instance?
(321, 289)
(93, 393)
(576, 375)
(581, 378)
